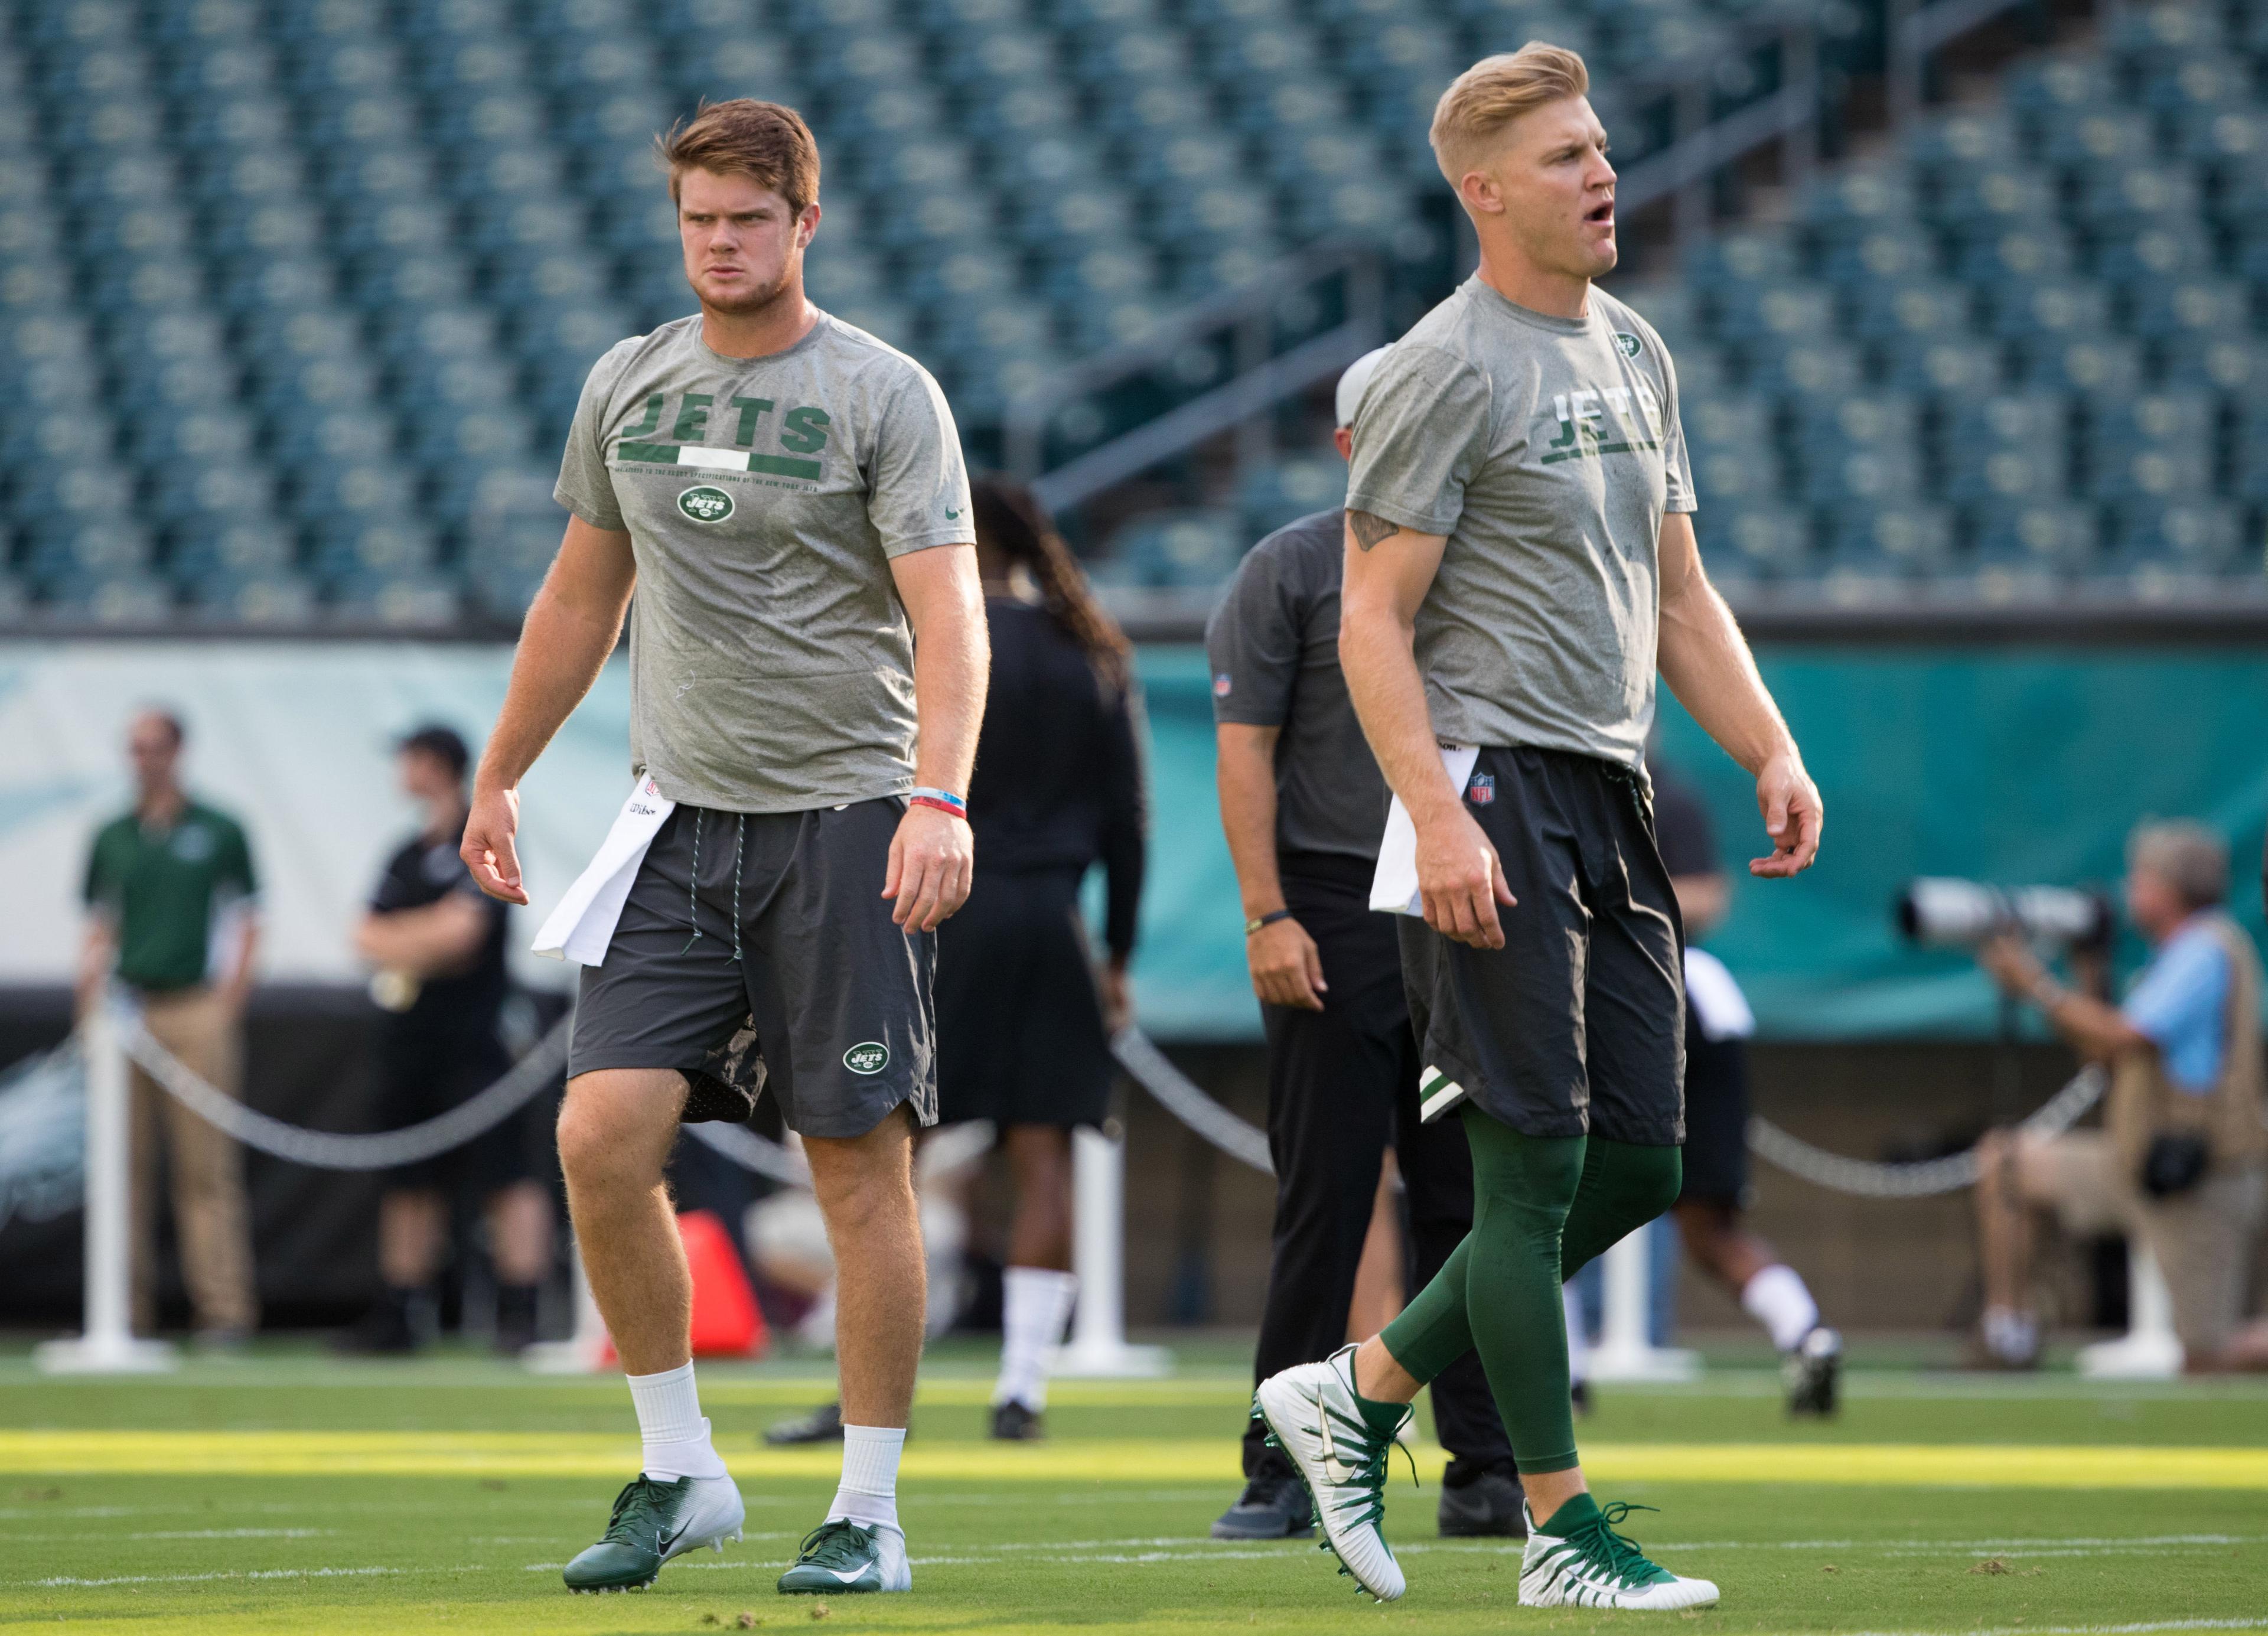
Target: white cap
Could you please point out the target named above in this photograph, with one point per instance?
(1351, 384)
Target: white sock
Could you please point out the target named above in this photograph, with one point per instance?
(869, 1494)
(2010, 1335)
(669, 1421)
(1035, 1305)
(1578, 1341)
(1777, 1299)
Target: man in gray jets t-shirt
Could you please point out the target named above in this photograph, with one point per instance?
(1303, 806)
(786, 496)
(1519, 564)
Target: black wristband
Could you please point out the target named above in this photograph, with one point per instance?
(1268, 919)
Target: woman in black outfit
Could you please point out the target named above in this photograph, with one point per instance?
(1024, 1013)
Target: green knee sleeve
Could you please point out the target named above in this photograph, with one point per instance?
(1623, 1188)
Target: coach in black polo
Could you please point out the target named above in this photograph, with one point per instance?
(1304, 805)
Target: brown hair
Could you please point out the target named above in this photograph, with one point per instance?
(745, 137)
(1009, 520)
(1494, 92)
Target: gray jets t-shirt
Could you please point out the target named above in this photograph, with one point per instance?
(771, 665)
(1547, 451)
(1273, 648)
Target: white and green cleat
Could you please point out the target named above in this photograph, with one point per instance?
(840, 1555)
(1586, 1564)
(653, 1521)
(1313, 1415)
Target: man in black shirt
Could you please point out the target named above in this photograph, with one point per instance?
(1714, 1193)
(438, 947)
(1304, 805)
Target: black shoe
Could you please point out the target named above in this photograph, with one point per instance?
(1012, 1423)
(1487, 1507)
(1813, 1374)
(515, 1319)
(1579, 1398)
(822, 1424)
(1271, 1507)
(388, 1329)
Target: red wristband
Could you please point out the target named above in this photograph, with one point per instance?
(943, 806)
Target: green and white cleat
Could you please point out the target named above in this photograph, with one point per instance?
(843, 1555)
(1585, 1564)
(653, 1521)
(1313, 1415)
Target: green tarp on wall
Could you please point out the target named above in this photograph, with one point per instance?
(2010, 765)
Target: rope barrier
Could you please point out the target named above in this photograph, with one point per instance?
(330, 1150)
(1180, 1097)
(1922, 1178)
(745, 1148)
(1136, 1052)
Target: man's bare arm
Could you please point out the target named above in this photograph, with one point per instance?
(570, 629)
(1369, 530)
(933, 855)
(1706, 662)
(1459, 875)
(1286, 968)
(438, 939)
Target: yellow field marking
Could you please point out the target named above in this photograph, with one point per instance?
(1100, 1460)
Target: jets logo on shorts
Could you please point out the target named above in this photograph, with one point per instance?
(1482, 790)
(871, 1058)
(1627, 341)
(705, 504)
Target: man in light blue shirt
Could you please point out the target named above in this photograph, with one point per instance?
(2178, 1164)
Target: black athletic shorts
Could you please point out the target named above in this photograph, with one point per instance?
(425, 1075)
(782, 969)
(1020, 1037)
(1577, 1023)
(1716, 1119)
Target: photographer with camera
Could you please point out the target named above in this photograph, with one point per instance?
(2181, 1157)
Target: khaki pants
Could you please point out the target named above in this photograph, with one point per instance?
(2202, 1240)
(207, 1170)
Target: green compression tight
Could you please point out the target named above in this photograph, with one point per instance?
(1542, 1206)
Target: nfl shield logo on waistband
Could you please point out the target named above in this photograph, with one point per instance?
(1482, 791)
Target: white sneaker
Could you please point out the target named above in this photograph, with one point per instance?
(1593, 1567)
(840, 1555)
(1311, 1414)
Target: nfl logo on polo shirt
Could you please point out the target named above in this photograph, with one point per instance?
(1482, 791)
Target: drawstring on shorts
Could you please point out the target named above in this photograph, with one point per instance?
(693, 882)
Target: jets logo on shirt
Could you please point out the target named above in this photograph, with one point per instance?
(870, 1058)
(1627, 341)
(705, 504)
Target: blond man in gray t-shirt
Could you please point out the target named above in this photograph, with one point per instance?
(786, 495)
(1521, 563)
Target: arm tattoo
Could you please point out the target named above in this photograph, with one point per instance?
(1369, 530)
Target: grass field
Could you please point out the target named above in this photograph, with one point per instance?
(289, 1493)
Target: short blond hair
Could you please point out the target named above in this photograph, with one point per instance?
(1494, 92)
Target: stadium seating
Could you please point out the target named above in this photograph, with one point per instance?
(296, 296)
(2019, 356)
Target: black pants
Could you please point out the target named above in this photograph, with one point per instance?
(1342, 1087)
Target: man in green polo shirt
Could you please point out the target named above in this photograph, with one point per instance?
(163, 878)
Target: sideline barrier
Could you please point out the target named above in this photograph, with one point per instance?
(113, 1035)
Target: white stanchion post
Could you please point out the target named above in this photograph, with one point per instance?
(580, 1352)
(1625, 1352)
(109, 1346)
(1099, 1347)
(2150, 1350)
